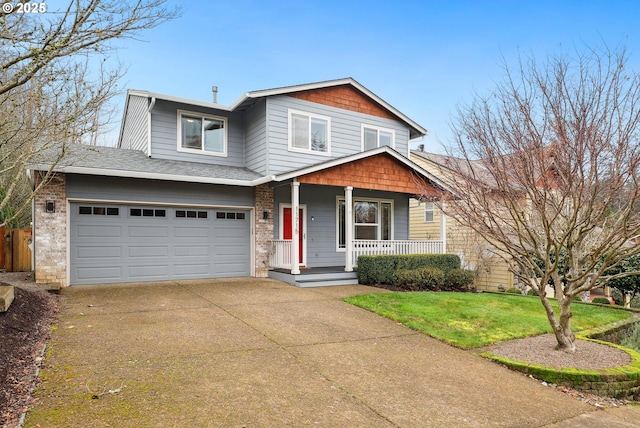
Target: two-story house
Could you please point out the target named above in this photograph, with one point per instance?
(283, 182)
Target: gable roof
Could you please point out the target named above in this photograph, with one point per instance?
(384, 150)
(250, 98)
(416, 130)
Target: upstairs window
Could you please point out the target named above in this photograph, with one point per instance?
(309, 133)
(200, 133)
(373, 137)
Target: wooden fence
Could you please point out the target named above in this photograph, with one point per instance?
(15, 254)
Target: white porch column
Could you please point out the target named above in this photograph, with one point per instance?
(295, 227)
(443, 229)
(348, 229)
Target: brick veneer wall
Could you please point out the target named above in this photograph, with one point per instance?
(264, 228)
(50, 233)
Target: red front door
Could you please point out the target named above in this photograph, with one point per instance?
(287, 230)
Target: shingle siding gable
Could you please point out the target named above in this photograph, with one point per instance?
(344, 97)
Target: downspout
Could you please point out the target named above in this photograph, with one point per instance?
(151, 105)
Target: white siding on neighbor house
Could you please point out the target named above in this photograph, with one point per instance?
(135, 132)
(345, 133)
(256, 138)
(164, 135)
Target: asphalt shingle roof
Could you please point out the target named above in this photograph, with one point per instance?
(123, 162)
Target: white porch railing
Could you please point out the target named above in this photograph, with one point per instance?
(280, 254)
(364, 247)
(280, 251)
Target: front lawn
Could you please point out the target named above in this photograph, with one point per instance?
(470, 320)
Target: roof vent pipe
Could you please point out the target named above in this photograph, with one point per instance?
(214, 89)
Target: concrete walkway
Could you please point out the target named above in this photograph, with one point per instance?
(261, 353)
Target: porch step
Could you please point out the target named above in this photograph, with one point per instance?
(302, 283)
(320, 279)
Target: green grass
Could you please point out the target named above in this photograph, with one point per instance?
(471, 320)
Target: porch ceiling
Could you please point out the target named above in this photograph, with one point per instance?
(378, 172)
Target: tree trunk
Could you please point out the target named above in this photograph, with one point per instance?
(562, 326)
(564, 335)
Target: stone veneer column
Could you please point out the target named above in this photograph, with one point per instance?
(50, 232)
(263, 228)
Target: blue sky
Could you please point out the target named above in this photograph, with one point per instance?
(422, 57)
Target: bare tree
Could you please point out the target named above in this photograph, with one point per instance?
(545, 169)
(56, 81)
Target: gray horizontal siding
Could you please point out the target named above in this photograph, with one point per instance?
(256, 138)
(164, 135)
(135, 131)
(321, 232)
(345, 133)
(152, 191)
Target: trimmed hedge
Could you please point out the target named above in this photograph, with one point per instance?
(422, 279)
(458, 279)
(381, 269)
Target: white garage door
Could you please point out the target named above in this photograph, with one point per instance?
(130, 243)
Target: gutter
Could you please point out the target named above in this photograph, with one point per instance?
(151, 105)
(153, 175)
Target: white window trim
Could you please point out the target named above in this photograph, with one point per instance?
(378, 129)
(433, 212)
(357, 199)
(291, 112)
(202, 151)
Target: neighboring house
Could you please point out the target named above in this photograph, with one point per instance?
(283, 182)
(492, 272)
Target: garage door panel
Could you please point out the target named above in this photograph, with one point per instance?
(192, 251)
(231, 269)
(132, 248)
(228, 231)
(148, 271)
(148, 231)
(102, 274)
(148, 251)
(188, 269)
(192, 232)
(99, 231)
(102, 252)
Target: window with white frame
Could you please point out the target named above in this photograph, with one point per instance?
(372, 220)
(373, 137)
(429, 212)
(201, 133)
(309, 132)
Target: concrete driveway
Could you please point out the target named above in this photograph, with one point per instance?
(261, 353)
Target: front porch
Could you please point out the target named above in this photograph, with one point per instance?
(332, 213)
(280, 257)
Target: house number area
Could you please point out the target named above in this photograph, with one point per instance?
(24, 7)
